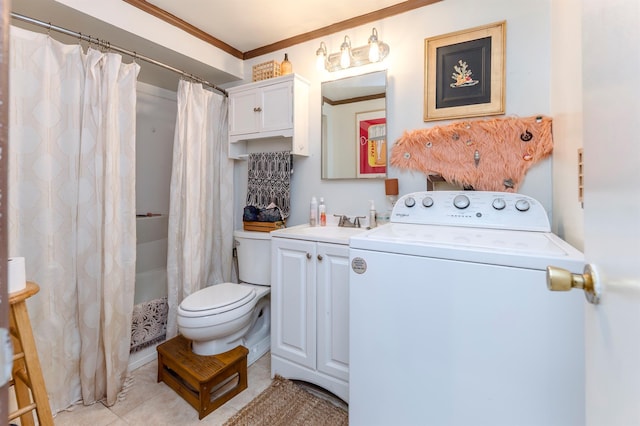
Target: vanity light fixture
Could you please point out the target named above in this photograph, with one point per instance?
(374, 51)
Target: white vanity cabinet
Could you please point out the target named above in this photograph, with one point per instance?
(310, 312)
(273, 108)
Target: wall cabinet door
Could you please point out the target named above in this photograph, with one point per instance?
(333, 310)
(277, 107)
(293, 300)
(261, 109)
(244, 112)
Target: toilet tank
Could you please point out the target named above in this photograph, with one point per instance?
(254, 256)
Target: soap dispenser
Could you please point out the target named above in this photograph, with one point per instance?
(322, 213)
(313, 212)
(372, 215)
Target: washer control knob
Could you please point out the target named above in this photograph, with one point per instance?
(499, 204)
(461, 201)
(522, 205)
(427, 201)
(409, 202)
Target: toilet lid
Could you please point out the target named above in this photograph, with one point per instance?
(219, 298)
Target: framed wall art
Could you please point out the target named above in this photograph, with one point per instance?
(371, 131)
(465, 73)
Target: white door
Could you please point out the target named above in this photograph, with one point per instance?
(611, 71)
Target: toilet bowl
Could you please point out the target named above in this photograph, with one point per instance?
(220, 317)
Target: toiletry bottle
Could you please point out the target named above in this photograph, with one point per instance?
(313, 212)
(322, 212)
(285, 66)
(372, 215)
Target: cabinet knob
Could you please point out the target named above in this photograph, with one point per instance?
(257, 109)
(308, 255)
(319, 257)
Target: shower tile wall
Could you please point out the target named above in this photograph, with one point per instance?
(156, 117)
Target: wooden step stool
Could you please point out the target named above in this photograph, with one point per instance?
(26, 374)
(205, 382)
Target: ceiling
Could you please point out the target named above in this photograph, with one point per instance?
(251, 27)
(249, 24)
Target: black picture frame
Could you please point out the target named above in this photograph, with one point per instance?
(472, 57)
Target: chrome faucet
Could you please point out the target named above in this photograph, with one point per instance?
(345, 222)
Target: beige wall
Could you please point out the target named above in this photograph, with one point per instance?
(542, 72)
(566, 109)
(528, 93)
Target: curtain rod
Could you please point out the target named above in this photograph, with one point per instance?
(107, 45)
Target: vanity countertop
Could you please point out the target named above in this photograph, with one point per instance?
(324, 234)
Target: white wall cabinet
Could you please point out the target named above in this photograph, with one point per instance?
(273, 108)
(310, 313)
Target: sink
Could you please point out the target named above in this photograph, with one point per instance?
(327, 234)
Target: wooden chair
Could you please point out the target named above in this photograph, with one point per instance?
(26, 374)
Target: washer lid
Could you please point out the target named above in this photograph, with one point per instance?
(220, 297)
(525, 249)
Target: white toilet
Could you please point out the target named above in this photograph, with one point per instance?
(220, 317)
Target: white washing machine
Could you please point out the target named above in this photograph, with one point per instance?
(451, 321)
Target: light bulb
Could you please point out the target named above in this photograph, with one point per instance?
(345, 61)
(374, 47)
(320, 62)
(321, 57)
(374, 52)
(345, 53)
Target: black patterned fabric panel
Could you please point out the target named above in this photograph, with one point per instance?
(269, 180)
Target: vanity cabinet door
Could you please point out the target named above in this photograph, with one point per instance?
(293, 300)
(333, 310)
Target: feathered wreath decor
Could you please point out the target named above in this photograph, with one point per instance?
(486, 155)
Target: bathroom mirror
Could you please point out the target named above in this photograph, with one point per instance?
(354, 127)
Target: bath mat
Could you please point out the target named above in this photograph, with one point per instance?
(284, 403)
(148, 324)
(269, 179)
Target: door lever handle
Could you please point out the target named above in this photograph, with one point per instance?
(559, 279)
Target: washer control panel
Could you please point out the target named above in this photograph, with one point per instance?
(482, 209)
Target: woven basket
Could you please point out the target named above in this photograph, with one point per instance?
(266, 70)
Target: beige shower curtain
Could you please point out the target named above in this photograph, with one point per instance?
(200, 239)
(72, 209)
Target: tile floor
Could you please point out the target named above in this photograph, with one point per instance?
(151, 403)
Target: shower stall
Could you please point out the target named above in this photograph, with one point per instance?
(156, 115)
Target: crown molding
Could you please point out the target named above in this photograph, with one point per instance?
(377, 15)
